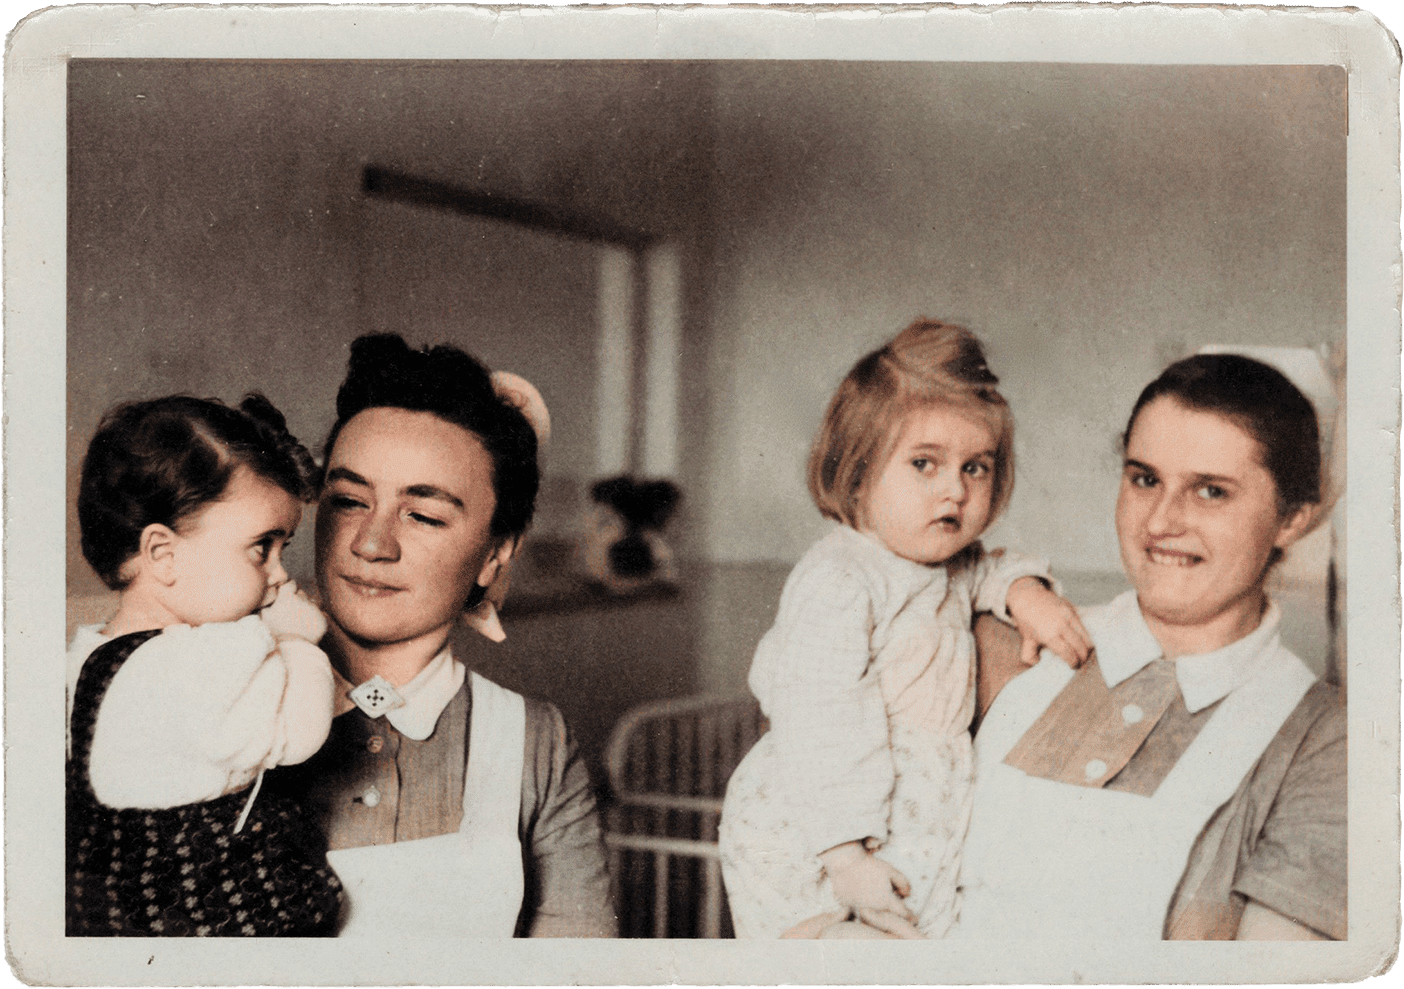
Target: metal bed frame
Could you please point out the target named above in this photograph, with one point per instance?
(668, 764)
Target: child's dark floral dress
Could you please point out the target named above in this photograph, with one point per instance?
(183, 871)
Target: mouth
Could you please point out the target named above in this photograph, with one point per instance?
(1165, 557)
(948, 523)
(369, 588)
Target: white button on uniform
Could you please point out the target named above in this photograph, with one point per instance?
(372, 796)
(1094, 769)
(1132, 714)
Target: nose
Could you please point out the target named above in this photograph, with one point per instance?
(1167, 515)
(375, 539)
(277, 574)
(951, 485)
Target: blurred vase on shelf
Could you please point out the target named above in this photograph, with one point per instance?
(622, 548)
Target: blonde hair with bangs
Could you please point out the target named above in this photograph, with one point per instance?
(928, 363)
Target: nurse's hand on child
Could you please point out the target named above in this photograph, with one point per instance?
(867, 887)
(856, 924)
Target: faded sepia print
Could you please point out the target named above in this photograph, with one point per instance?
(731, 494)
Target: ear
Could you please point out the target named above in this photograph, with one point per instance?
(495, 567)
(156, 553)
(1296, 526)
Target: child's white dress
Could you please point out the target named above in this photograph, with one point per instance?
(868, 679)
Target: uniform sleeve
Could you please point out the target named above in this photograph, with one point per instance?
(1298, 867)
(828, 723)
(194, 713)
(563, 853)
(997, 570)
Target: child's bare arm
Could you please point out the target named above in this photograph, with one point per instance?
(1046, 620)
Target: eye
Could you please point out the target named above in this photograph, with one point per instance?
(921, 463)
(427, 520)
(1211, 492)
(261, 550)
(1143, 479)
(343, 502)
(976, 468)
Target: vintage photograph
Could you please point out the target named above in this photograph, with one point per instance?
(714, 494)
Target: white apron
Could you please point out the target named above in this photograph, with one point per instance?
(465, 884)
(1052, 860)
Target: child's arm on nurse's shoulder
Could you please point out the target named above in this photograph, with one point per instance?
(1046, 620)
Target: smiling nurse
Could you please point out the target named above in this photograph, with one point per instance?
(453, 808)
(1189, 781)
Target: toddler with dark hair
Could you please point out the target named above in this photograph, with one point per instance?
(207, 675)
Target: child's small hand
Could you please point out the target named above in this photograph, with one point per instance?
(861, 880)
(292, 613)
(1046, 620)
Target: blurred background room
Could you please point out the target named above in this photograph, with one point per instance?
(685, 258)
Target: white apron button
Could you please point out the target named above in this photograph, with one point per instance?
(1132, 714)
(372, 796)
(1095, 768)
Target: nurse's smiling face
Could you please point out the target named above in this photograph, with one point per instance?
(1198, 517)
(404, 528)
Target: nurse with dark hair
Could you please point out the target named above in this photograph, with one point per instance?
(452, 806)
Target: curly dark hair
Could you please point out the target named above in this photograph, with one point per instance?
(161, 461)
(385, 372)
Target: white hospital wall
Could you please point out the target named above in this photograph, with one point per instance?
(1089, 223)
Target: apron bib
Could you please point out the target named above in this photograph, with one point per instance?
(465, 884)
(1052, 860)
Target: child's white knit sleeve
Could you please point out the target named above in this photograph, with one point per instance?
(825, 705)
(195, 713)
(997, 570)
(306, 714)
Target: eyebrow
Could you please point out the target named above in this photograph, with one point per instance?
(429, 491)
(1198, 478)
(413, 491)
(939, 448)
(342, 474)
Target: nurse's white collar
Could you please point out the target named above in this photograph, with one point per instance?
(1125, 646)
(425, 696)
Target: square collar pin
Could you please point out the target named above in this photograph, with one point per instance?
(375, 697)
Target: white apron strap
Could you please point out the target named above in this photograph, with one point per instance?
(1238, 733)
(492, 788)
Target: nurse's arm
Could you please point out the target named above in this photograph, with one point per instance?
(566, 878)
(1260, 923)
(997, 647)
